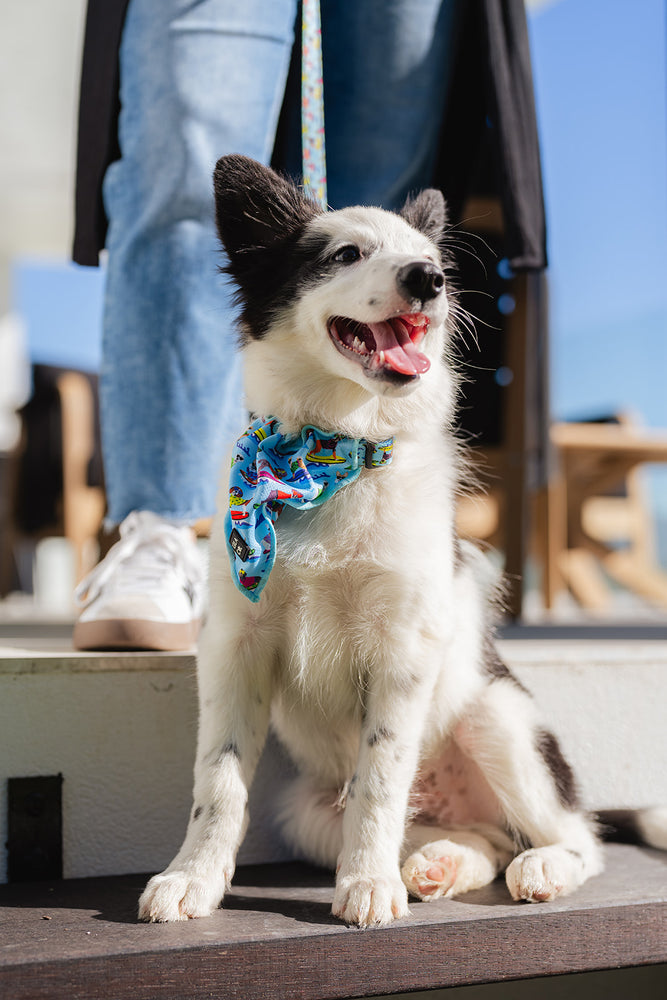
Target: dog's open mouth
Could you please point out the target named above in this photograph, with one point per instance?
(385, 349)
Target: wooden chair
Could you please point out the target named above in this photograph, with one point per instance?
(83, 505)
(606, 527)
(54, 492)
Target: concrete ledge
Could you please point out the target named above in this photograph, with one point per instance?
(20, 660)
(121, 729)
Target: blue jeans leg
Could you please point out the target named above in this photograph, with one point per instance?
(199, 78)
(384, 101)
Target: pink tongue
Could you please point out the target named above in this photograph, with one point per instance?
(399, 351)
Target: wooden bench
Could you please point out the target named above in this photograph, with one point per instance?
(275, 938)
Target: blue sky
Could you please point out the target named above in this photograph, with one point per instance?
(599, 69)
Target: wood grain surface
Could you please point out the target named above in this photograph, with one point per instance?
(275, 938)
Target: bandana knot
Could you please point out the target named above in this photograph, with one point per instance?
(271, 469)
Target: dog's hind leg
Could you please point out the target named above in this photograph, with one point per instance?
(524, 766)
(444, 863)
(234, 675)
(311, 820)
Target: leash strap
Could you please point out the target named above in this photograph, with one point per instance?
(312, 104)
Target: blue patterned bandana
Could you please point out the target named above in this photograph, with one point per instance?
(270, 470)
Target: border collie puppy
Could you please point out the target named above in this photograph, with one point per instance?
(344, 611)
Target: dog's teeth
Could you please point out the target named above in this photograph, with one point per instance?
(381, 357)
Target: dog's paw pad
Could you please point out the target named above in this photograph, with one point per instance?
(369, 902)
(537, 876)
(429, 878)
(178, 895)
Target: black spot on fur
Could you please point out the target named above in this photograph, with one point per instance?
(495, 666)
(379, 734)
(560, 770)
(230, 749)
(198, 811)
(620, 825)
(261, 218)
(350, 788)
(389, 376)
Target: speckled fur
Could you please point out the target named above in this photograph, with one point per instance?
(369, 649)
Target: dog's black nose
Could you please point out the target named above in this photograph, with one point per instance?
(421, 280)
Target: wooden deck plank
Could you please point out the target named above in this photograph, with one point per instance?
(275, 938)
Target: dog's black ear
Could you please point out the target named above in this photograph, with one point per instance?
(427, 213)
(256, 208)
(260, 217)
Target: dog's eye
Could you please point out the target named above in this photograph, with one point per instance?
(347, 255)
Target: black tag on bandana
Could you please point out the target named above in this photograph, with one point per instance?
(239, 546)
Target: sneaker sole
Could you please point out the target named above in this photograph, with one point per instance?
(135, 633)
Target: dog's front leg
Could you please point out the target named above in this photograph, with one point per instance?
(369, 888)
(234, 681)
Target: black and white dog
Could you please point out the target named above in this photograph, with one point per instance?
(424, 765)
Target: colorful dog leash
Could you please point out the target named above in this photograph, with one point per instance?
(312, 104)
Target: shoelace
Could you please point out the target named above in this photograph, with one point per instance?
(164, 551)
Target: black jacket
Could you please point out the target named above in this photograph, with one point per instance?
(489, 143)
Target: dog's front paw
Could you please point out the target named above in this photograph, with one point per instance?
(179, 895)
(369, 902)
(542, 874)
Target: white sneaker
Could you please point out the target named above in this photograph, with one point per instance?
(148, 591)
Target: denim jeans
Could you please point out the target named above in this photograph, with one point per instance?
(201, 78)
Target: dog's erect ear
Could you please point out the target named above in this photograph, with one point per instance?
(427, 213)
(256, 208)
(261, 217)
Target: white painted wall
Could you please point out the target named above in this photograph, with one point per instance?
(40, 57)
(124, 741)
